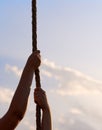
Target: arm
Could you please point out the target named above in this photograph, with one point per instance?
(19, 102)
(41, 99)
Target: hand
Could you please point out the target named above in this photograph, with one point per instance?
(34, 60)
(40, 98)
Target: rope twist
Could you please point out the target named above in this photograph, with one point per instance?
(34, 48)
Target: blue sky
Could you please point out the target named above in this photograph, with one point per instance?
(69, 37)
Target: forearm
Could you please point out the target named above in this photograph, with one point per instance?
(20, 99)
(46, 120)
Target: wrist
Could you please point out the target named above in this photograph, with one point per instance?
(30, 67)
(46, 109)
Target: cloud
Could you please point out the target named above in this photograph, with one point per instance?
(46, 73)
(71, 81)
(5, 95)
(71, 123)
(28, 125)
(75, 111)
(13, 69)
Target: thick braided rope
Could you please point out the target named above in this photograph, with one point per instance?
(34, 48)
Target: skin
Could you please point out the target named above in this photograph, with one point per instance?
(40, 98)
(19, 101)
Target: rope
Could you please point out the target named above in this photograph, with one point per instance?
(34, 48)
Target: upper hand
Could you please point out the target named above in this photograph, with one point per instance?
(34, 60)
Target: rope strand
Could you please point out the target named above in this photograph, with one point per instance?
(34, 48)
(34, 26)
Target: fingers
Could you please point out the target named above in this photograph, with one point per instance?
(40, 98)
(39, 90)
(37, 51)
(36, 59)
(39, 95)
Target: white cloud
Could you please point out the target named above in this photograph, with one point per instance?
(29, 125)
(50, 64)
(13, 69)
(77, 90)
(5, 95)
(46, 73)
(70, 123)
(71, 81)
(75, 111)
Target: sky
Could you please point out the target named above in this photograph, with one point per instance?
(69, 37)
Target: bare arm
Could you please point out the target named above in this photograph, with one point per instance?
(46, 120)
(19, 102)
(41, 99)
